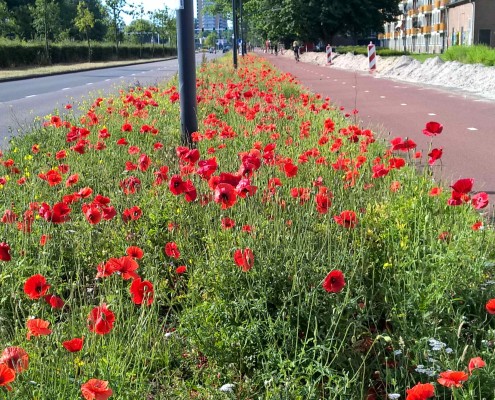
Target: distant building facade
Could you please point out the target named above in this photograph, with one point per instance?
(431, 26)
(208, 22)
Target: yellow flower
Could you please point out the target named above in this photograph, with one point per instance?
(387, 265)
(28, 157)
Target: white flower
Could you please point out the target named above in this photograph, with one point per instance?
(228, 387)
(393, 396)
(397, 352)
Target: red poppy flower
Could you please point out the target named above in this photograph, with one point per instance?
(141, 291)
(130, 185)
(399, 145)
(57, 215)
(244, 259)
(379, 171)
(127, 127)
(7, 375)
(92, 213)
(420, 391)
(433, 128)
(161, 175)
(207, 168)
(463, 186)
(172, 250)
(346, 218)
(126, 266)
(96, 389)
(176, 185)
(133, 213)
(452, 378)
(181, 269)
(54, 301)
(9, 217)
(436, 191)
(5, 252)
(435, 154)
(108, 213)
(225, 195)
(144, 162)
(323, 202)
(72, 180)
(74, 345)
(490, 306)
(135, 252)
(100, 320)
(334, 282)
(190, 193)
(36, 287)
(477, 225)
(37, 327)
(475, 363)
(15, 358)
(244, 188)
(227, 223)
(290, 170)
(479, 200)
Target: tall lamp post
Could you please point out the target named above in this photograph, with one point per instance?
(187, 71)
(234, 27)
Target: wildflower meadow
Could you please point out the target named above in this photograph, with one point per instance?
(290, 254)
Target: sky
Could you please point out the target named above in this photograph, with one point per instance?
(152, 5)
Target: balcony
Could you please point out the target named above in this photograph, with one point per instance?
(437, 4)
(427, 8)
(426, 30)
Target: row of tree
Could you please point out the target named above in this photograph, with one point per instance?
(83, 20)
(310, 20)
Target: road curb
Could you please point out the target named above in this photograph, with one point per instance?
(41, 75)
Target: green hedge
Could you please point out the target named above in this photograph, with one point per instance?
(382, 52)
(23, 54)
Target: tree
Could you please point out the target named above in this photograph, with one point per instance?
(46, 15)
(211, 40)
(312, 20)
(115, 9)
(84, 21)
(164, 24)
(7, 23)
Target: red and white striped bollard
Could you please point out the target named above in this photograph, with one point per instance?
(372, 57)
(329, 54)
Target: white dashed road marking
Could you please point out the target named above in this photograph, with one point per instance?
(66, 88)
(89, 83)
(382, 97)
(403, 104)
(432, 114)
(106, 80)
(472, 129)
(31, 95)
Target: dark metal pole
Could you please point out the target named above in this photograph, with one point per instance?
(234, 28)
(241, 22)
(187, 71)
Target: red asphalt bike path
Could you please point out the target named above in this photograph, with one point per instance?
(397, 109)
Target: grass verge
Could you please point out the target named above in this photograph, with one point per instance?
(290, 254)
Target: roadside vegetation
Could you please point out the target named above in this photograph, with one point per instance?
(290, 254)
(477, 54)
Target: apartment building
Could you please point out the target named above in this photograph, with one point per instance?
(208, 22)
(431, 26)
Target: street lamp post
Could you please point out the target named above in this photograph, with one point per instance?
(187, 71)
(234, 27)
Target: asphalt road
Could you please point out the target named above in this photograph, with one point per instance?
(24, 103)
(393, 108)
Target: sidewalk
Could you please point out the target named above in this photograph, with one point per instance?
(394, 109)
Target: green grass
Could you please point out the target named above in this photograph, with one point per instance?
(414, 267)
(476, 54)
